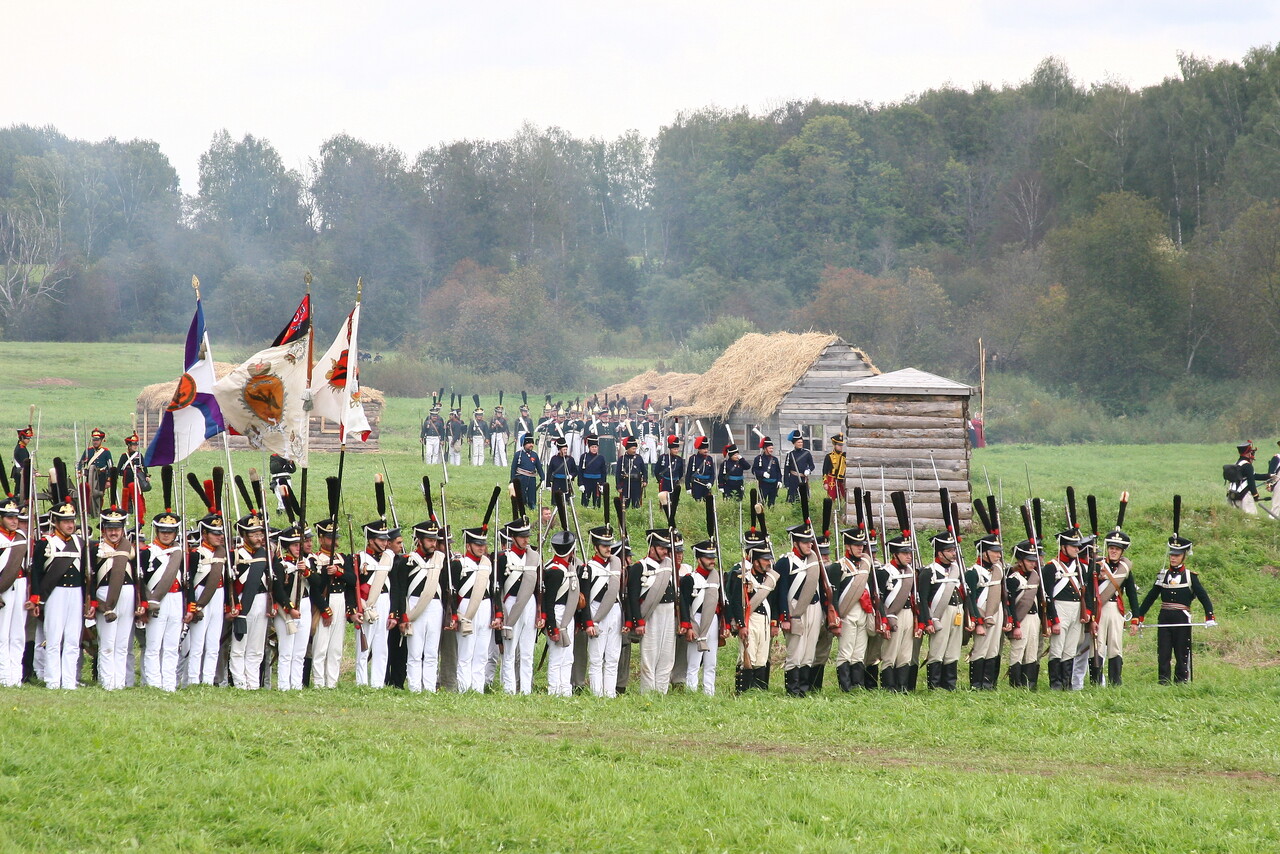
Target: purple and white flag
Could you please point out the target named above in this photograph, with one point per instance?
(193, 415)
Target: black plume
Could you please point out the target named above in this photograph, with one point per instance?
(955, 520)
(58, 492)
(333, 487)
(258, 493)
(827, 507)
(711, 516)
(673, 502)
(475, 398)
(857, 506)
(983, 517)
(899, 501)
(499, 397)
(605, 498)
(524, 397)
(493, 503)
(948, 520)
(1073, 520)
(113, 494)
(1035, 512)
(244, 493)
(993, 513)
(215, 501)
(1177, 514)
(1124, 504)
(380, 495)
(4, 482)
(622, 516)
(166, 482)
(557, 498)
(517, 499)
(1026, 523)
(426, 494)
(1091, 502)
(804, 506)
(871, 520)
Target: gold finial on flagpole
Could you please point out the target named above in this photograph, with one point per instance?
(359, 287)
(195, 284)
(306, 278)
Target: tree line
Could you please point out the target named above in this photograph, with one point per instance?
(1107, 241)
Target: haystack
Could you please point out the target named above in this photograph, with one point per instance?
(757, 372)
(655, 385)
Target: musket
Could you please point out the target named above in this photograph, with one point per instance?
(866, 524)
(951, 521)
(909, 504)
(833, 619)
(391, 495)
(577, 531)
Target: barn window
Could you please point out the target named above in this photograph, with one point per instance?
(814, 438)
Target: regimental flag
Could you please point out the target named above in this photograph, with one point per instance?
(335, 383)
(193, 415)
(262, 399)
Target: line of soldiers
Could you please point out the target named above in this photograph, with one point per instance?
(207, 611)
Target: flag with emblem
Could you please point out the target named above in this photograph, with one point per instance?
(262, 399)
(335, 383)
(193, 414)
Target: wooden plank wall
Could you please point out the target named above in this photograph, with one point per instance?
(818, 397)
(901, 432)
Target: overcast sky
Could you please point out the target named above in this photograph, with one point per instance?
(414, 74)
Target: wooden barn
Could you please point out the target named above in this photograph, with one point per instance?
(778, 383)
(905, 422)
(153, 399)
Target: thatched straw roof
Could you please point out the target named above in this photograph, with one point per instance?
(656, 385)
(158, 395)
(756, 372)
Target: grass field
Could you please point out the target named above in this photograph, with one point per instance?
(1138, 768)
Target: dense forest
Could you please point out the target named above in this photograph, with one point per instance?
(1120, 246)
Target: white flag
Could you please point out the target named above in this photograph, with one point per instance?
(335, 383)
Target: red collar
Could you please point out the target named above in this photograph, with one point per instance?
(517, 552)
(560, 559)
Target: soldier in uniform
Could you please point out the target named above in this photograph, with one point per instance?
(477, 608)
(373, 603)
(593, 470)
(114, 576)
(421, 597)
(1242, 492)
(803, 604)
(796, 467)
(1067, 608)
(454, 431)
(282, 471)
(524, 421)
(295, 595)
(633, 475)
(478, 432)
(133, 478)
(21, 456)
(602, 586)
(162, 577)
(651, 611)
(1023, 591)
(945, 613)
(519, 570)
(94, 469)
(13, 588)
(833, 468)
(767, 472)
(526, 470)
(702, 617)
(650, 433)
(433, 434)
(607, 432)
(57, 591)
(849, 578)
(561, 607)
(574, 428)
(752, 596)
(985, 586)
(700, 476)
(250, 575)
(206, 584)
(732, 470)
(1175, 586)
(897, 581)
(1112, 579)
(499, 430)
(561, 470)
(669, 469)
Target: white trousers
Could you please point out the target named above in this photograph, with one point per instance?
(432, 445)
(649, 449)
(326, 647)
(1063, 645)
(164, 631)
(853, 636)
(498, 443)
(422, 671)
(292, 648)
(944, 644)
(113, 639)
(560, 658)
(705, 661)
(203, 640)
(603, 652)
(455, 453)
(477, 451)
(371, 662)
(517, 663)
(63, 620)
(246, 652)
(13, 633)
(658, 649)
(802, 640)
(575, 446)
(473, 649)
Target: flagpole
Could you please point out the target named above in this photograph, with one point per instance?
(226, 442)
(342, 433)
(307, 404)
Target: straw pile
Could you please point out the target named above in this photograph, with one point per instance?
(655, 385)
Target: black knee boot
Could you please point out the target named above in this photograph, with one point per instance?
(913, 676)
(802, 680)
(905, 677)
(1095, 671)
(932, 674)
(1114, 666)
(1055, 675)
(887, 680)
(791, 679)
(1015, 675)
(762, 677)
(991, 678)
(871, 676)
(950, 675)
(857, 675)
(743, 678)
(814, 682)
(843, 677)
(977, 673)
(1031, 675)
